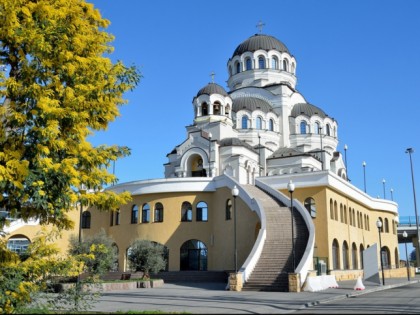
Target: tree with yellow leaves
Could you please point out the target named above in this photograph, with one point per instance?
(57, 87)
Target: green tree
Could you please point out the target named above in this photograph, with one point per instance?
(97, 252)
(58, 86)
(146, 256)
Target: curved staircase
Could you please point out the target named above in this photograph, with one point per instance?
(276, 260)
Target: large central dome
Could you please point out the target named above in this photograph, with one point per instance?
(260, 41)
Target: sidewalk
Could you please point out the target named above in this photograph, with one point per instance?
(211, 298)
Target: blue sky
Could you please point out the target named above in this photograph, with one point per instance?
(357, 60)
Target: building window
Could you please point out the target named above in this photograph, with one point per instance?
(259, 123)
(271, 125)
(158, 217)
(328, 130)
(261, 62)
(135, 214)
(204, 109)
(193, 256)
(310, 206)
(244, 122)
(186, 212)
(18, 244)
(331, 210)
(386, 225)
(345, 256)
(111, 218)
(317, 128)
(248, 64)
(285, 65)
(335, 256)
(145, 213)
(86, 220)
(202, 211)
(238, 67)
(228, 209)
(274, 63)
(354, 256)
(117, 217)
(361, 255)
(303, 127)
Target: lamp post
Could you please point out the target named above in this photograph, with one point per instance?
(291, 188)
(82, 191)
(409, 151)
(210, 135)
(259, 154)
(235, 193)
(345, 160)
(383, 183)
(406, 255)
(379, 225)
(364, 174)
(392, 194)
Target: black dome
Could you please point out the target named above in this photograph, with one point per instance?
(307, 110)
(212, 88)
(251, 104)
(260, 41)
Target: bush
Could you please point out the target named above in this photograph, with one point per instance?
(146, 256)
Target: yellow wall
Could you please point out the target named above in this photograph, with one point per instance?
(217, 233)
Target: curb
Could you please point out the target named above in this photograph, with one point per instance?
(350, 295)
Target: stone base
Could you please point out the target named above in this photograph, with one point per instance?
(235, 281)
(294, 282)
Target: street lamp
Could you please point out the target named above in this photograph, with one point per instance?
(345, 160)
(409, 151)
(364, 174)
(379, 225)
(291, 188)
(82, 191)
(406, 255)
(259, 154)
(235, 193)
(392, 194)
(210, 135)
(383, 183)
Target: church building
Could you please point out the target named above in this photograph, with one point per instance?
(257, 188)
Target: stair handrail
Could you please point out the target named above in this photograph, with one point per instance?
(253, 257)
(306, 262)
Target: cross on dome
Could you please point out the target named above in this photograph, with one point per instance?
(260, 26)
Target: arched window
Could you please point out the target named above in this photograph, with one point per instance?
(186, 212)
(111, 218)
(145, 213)
(386, 225)
(335, 255)
(310, 206)
(345, 214)
(274, 63)
(248, 63)
(345, 256)
(317, 128)
(244, 122)
(328, 130)
(18, 243)
(303, 127)
(293, 68)
(331, 210)
(204, 109)
(228, 215)
(134, 214)
(258, 123)
(385, 254)
(238, 67)
(86, 220)
(202, 211)
(335, 211)
(261, 62)
(361, 255)
(271, 125)
(285, 65)
(217, 108)
(354, 256)
(158, 216)
(341, 213)
(193, 256)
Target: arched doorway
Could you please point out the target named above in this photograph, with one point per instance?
(196, 166)
(193, 256)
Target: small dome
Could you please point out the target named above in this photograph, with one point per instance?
(251, 104)
(260, 41)
(307, 110)
(212, 88)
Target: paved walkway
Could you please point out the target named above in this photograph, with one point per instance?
(212, 298)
